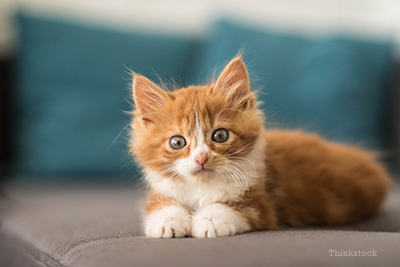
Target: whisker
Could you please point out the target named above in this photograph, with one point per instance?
(243, 149)
(229, 120)
(243, 176)
(230, 178)
(116, 138)
(235, 159)
(240, 176)
(219, 112)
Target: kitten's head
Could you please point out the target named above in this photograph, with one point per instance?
(200, 133)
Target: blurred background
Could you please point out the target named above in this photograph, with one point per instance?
(329, 67)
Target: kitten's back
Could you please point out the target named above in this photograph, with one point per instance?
(313, 181)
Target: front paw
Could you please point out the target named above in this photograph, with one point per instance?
(218, 220)
(170, 221)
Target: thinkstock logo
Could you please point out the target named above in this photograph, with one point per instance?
(352, 253)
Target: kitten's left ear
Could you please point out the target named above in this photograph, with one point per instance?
(234, 80)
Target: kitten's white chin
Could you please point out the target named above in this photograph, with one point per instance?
(202, 171)
(201, 176)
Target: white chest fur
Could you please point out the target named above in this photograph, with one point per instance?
(195, 197)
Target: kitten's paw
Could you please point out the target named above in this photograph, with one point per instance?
(170, 221)
(218, 220)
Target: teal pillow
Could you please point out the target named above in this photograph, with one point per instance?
(73, 86)
(337, 87)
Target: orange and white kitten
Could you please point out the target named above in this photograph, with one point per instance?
(214, 170)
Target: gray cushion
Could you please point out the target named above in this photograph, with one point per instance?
(101, 226)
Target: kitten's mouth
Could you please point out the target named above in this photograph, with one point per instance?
(203, 171)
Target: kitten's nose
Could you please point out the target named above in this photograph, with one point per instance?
(201, 158)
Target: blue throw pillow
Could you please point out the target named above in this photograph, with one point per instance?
(73, 86)
(337, 87)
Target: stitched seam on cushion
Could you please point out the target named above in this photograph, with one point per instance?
(43, 253)
(92, 240)
(33, 256)
(29, 248)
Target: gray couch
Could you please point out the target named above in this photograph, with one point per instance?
(92, 225)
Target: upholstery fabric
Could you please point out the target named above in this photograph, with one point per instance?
(101, 226)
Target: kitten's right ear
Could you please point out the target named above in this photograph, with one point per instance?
(234, 80)
(148, 97)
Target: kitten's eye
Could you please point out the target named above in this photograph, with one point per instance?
(177, 142)
(220, 135)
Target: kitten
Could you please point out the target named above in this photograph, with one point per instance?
(214, 170)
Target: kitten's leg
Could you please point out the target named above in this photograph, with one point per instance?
(166, 219)
(218, 220)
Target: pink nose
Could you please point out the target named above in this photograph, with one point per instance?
(201, 158)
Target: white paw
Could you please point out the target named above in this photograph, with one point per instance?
(170, 221)
(212, 227)
(218, 220)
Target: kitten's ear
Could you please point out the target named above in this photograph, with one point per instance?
(148, 97)
(234, 80)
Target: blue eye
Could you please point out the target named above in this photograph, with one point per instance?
(177, 142)
(220, 135)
